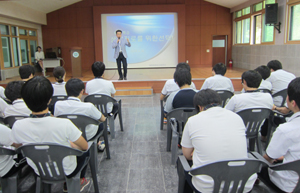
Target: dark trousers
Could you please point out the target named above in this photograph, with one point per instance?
(122, 59)
(265, 178)
(115, 109)
(264, 127)
(80, 162)
(188, 187)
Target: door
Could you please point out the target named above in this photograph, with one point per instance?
(219, 49)
(24, 51)
(33, 45)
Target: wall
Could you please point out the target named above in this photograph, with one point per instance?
(73, 26)
(250, 57)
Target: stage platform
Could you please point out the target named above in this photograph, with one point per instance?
(150, 78)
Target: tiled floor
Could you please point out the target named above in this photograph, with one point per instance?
(139, 162)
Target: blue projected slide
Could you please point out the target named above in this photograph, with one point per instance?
(153, 38)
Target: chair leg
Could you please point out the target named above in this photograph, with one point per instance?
(93, 165)
(10, 184)
(105, 136)
(112, 127)
(120, 115)
(169, 135)
(39, 185)
(181, 178)
(259, 146)
(174, 148)
(161, 115)
(73, 184)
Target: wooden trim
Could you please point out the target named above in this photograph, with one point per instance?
(292, 2)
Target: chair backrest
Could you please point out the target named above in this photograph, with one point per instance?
(181, 115)
(6, 151)
(100, 101)
(81, 121)
(225, 96)
(54, 99)
(264, 90)
(253, 119)
(229, 172)
(48, 159)
(291, 166)
(12, 119)
(283, 94)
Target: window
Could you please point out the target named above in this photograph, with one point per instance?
(257, 34)
(17, 45)
(243, 31)
(294, 23)
(250, 25)
(257, 7)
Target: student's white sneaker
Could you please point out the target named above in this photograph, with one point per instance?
(101, 146)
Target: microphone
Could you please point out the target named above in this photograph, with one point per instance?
(119, 37)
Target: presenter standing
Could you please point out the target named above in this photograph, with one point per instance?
(120, 53)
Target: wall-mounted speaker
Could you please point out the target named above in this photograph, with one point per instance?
(271, 15)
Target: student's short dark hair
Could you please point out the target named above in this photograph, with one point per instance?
(118, 31)
(206, 97)
(37, 93)
(183, 65)
(252, 78)
(25, 71)
(59, 73)
(220, 68)
(293, 91)
(98, 68)
(13, 90)
(74, 86)
(275, 65)
(264, 71)
(182, 76)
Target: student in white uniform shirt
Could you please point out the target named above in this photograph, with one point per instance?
(264, 71)
(101, 86)
(26, 72)
(59, 74)
(73, 105)
(252, 98)
(2, 90)
(171, 86)
(284, 145)
(8, 165)
(18, 107)
(39, 57)
(3, 106)
(206, 132)
(279, 79)
(218, 81)
(41, 127)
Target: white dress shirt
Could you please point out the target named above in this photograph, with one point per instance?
(59, 89)
(74, 106)
(18, 108)
(215, 134)
(171, 86)
(6, 161)
(218, 82)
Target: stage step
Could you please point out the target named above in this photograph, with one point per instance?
(134, 91)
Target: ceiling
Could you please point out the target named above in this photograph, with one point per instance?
(227, 3)
(46, 6)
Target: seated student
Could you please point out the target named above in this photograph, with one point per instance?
(73, 105)
(59, 74)
(184, 96)
(171, 86)
(8, 164)
(3, 106)
(26, 72)
(284, 145)
(101, 86)
(252, 98)
(13, 93)
(218, 81)
(279, 79)
(205, 133)
(43, 128)
(264, 71)
(2, 90)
